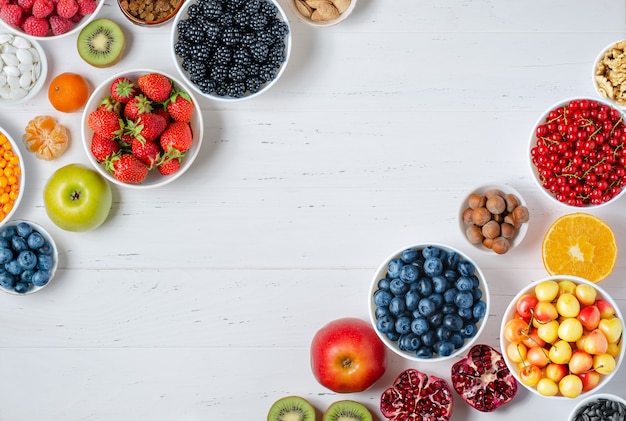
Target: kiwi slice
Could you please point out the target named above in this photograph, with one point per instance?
(101, 43)
(347, 411)
(291, 408)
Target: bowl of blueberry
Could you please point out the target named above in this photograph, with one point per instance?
(231, 50)
(428, 302)
(28, 255)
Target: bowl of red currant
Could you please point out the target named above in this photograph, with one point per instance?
(578, 154)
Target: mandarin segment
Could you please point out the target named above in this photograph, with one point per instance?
(580, 244)
(45, 137)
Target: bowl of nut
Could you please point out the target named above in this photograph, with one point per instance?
(29, 256)
(428, 302)
(12, 177)
(561, 337)
(23, 69)
(609, 73)
(576, 155)
(149, 13)
(600, 406)
(494, 218)
(231, 59)
(322, 13)
(146, 137)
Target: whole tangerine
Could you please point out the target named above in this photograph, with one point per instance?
(68, 92)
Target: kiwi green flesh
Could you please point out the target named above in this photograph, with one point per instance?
(101, 42)
(347, 411)
(291, 408)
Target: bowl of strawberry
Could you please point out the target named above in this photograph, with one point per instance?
(577, 154)
(142, 128)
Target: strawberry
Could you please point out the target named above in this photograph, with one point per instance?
(123, 89)
(177, 137)
(162, 111)
(169, 165)
(37, 27)
(86, 7)
(12, 15)
(180, 107)
(155, 86)
(147, 152)
(42, 8)
(147, 127)
(109, 103)
(60, 25)
(67, 8)
(139, 104)
(102, 147)
(127, 168)
(105, 123)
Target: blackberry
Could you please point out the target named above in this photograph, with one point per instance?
(252, 6)
(253, 69)
(268, 8)
(181, 48)
(233, 4)
(182, 25)
(242, 57)
(247, 39)
(211, 9)
(237, 73)
(265, 37)
(206, 85)
(194, 34)
(221, 89)
(226, 20)
(222, 55)
(254, 84)
(258, 21)
(230, 36)
(212, 29)
(201, 52)
(194, 11)
(276, 55)
(219, 73)
(236, 89)
(259, 52)
(278, 29)
(267, 72)
(242, 19)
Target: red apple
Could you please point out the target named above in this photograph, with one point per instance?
(347, 355)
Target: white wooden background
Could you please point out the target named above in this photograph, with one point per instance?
(198, 301)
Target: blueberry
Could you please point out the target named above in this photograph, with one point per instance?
(23, 229)
(424, 352)
(45, 249)
(444, 348)
(6, 255)
(457, 339)
(397, 306)
(18, 243)
(466, 268)
(440, 284)
(466, 313)
(454, 322)
(469, 330)
(412, 299)
(433, 266)
(420, 325)
(403, 325)
(464, 299)
(425, 286)
(8, 232)
(429, 338)
(452, 260)
(383, 283)
(27, 276)
(393, 268)
(393, 335)
(385, 324)
(13, 267)
(431, 251)
(478, 294)
(27, 259)
(21, 287)
(464, 284)
(409, 256)
(382, 298)
(426, 306)
(450, 275)
(437, 299)
(381, 311)
(4, 243)
(6, 280)
(35, 240)
(479, 310)
(409, 342)
(436, 319)
(448, 308)
(409, 273)
(450, 295)
(397, 287)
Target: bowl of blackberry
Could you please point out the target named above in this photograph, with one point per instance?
(231, 50)
(428, 302)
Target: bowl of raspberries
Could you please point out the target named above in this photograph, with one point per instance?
(231, 50)
(48, 19)
(142, 128)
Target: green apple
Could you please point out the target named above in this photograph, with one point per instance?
(77, 198)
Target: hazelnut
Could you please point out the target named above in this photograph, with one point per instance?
(496, 205)
(507, 230)
(520, 215)
(467, 216)
(492, 193)
(476, 201)
(488, 242)
(500, 245)
(491, 229)
(509, 219)
(498, 218)
(511, 202)
(474, 234)
(481, 216)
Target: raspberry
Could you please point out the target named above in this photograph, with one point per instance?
(25, 4)
(42, 8)
(37, 27)
(67, 8)
(12, 14)
(86, 7)
(60, 25)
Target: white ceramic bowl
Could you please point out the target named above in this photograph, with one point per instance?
(504, 189)
(21, 180)
(595, 399)
(154, 179)
(306, 18)
(181, 64)
(69, 34)
(50, 249)
(606, 73)
(542, 122)
(379, 310)
(511, 310)
(24, 53)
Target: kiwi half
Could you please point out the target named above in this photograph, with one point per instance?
(101, 43)
(291, 408)
(347, 411)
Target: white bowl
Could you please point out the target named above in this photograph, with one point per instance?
(154, 179)
(543, 121)
(609, 89)
(38, 68)
(576, 414)
(510, 314)
(183, 15)
(382, 275)
(71, 33)
(51, 251)
(321, 24)
(21, 180)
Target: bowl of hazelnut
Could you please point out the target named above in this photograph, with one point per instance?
(494, 218)
(149, 13)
